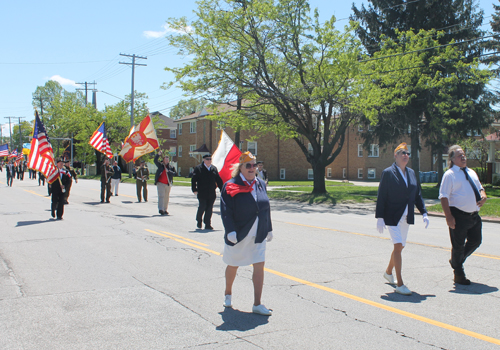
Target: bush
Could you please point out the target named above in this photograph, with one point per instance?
(481, 173)
(496, 180)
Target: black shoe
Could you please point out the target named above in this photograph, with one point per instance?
(59, 218)
(162, 212)
(102, 201)
(145, 200)
(66, 202)
(461, 279)
(108, 202)
(54, 214)
(208, 227)
(116, 195)
(198, 225)
(166, 212)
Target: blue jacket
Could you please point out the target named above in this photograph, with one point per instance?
(239, 212)
(394, 196)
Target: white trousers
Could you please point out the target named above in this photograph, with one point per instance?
(114, 186)
(163, 195)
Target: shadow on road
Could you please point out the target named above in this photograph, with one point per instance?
(92, 203)
(137, 216)
(413, 298)
(473, 288)
(34, 222)
(235, 320)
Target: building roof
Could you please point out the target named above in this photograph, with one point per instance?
(167, 122)
(208, 110)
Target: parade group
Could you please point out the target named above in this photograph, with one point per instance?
(245, 208)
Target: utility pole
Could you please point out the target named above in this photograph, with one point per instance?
(133, 64)
(20, 135)
(86, 89)
(10, 132)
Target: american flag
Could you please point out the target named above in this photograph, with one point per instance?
(100, 141)
(41, 155)
(13, 154)
(4, 150)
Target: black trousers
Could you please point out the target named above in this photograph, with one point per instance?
(465, 238)
(57, 202)
(105, 188)
(9, 180)
(205, 206)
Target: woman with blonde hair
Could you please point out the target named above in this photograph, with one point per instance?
(246, 215)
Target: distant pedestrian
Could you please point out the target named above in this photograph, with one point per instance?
(204, 182)
(462, 196)
(398, 193)
(164, 179)
(58, 189)
(141, 181)
(10, 171)
(262, 173)
(73, 176)
(116, 178)
(41, 179)
(106, 174)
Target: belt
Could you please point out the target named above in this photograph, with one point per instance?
(461, 212)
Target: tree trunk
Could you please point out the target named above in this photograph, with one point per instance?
(440, 165)
(319, 186)
(415, 146)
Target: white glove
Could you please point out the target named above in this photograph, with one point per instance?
(380, 225)
(269, 236)
(231, 237)
(426, 220)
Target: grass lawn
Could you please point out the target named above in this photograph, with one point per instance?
(490, 208)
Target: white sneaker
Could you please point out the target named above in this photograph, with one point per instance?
(403, 290)
(389, 278)
(227, 301)
(261, 310)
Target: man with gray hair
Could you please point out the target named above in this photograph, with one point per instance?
(462, 196)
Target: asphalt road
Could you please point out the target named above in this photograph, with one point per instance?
(120, 276)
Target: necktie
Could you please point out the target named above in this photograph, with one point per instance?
(474, 188)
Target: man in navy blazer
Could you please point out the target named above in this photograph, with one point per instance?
(398, 194)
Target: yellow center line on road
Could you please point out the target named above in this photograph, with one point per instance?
(347, 295)
(184, 241)
(33, 192)
(386, 238)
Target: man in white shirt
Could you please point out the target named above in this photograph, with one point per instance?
(461, 195)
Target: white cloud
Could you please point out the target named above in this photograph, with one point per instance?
(166, 29)
(63, 81)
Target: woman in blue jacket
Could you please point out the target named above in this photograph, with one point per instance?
(246, 215)
(398, 193)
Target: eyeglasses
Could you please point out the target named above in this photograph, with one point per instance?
(250, 165)
(208, 158)
(405, 153)
(460, 157)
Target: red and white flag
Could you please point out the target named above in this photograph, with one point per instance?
(99, 140)
(225, 156)
(141, 140)
(41, 156)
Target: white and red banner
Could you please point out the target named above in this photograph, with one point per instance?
(141, 140)
(225, 156)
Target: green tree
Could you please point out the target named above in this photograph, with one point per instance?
(296, 76)
(461, 21)
(186, 107)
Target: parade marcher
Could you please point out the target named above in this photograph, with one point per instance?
(58, 189)
(462, 196)
(246, 215)
(204, 182)
(74, 175)
(41, 178)
(10, 171)
(106, 173)
(262, 174)
(163, 180)
(116, 178)
(141, 181)
(398, 193)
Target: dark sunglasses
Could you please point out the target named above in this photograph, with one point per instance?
(208, 158)
(250, 165)
(405, 153)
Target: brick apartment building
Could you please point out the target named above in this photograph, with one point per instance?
(166, 131)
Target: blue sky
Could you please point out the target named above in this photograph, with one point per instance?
(73, 42)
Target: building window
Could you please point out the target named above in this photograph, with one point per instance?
(192, 127)
(241, 145)
(329, 172)
(173, 151)
(173, 133)
(360, 128)
(180, 128)
(282, 174)
(310, 149)
(371, 173)
(310, 174)
(409, 149)
(252, 147)
(179, 171)
(344, 173)
(360, 150)
(191, 169)
(180, 151)
(192, 148)
(374, 151)
(360, 173)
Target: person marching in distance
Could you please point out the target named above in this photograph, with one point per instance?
(141, 181)
(462, 196)
(262, 172)
(246, 215)
(58, 189)
(10, 171)
(204, 182)
(74, 175)
(116, 178)
(41, 178)
(398, 193)
(106, 174)
(163, 180)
